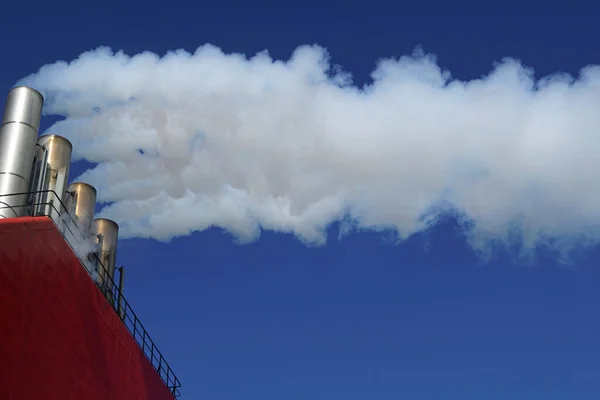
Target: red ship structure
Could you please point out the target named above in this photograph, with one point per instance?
(66, 330)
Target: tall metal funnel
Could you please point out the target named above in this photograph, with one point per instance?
(51, 170)
(109, 231)
(80, 201)
(18, 134)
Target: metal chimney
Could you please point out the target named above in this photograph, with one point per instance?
(18, 134)
(51, 168)
(80, 201)
(109, 231)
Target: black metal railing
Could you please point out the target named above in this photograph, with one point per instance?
(47, 203)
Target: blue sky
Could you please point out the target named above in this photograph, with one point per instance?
(359, 318)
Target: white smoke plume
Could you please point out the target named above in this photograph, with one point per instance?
(187, 141)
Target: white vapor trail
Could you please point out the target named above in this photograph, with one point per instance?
(189, 141)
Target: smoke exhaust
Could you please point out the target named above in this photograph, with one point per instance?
(190, 141)
(18, 135)
(108, 233)
(80, 201)
(51, 168)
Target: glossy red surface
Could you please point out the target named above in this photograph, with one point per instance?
(59, 337)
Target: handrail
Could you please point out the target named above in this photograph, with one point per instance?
(110, 290)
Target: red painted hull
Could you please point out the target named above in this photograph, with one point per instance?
(60, 339)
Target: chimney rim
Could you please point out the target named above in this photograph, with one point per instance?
(83, 184)
(58, 137)
(28, 88)
(106, 220)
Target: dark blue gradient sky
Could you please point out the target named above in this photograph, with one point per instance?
(359, 318)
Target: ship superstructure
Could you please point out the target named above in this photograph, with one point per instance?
(66, 330)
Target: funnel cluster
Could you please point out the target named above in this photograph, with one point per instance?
(34, 175)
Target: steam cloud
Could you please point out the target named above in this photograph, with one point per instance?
(189, 141)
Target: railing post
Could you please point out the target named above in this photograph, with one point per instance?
(120, 310)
